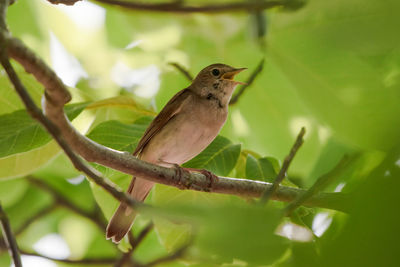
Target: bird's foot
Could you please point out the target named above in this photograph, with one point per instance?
(210, 176)
(180, 172)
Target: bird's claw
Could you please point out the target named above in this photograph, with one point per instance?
(179, 174)
(210, 176)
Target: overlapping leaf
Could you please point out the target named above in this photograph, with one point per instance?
(20, 133)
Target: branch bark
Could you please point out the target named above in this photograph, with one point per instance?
(9, 238)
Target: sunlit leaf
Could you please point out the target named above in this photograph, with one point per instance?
(19, 132)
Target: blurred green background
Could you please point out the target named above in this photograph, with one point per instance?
(331, 66)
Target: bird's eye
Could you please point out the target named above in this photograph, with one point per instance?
(215, 72)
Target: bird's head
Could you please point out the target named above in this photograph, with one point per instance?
(217, 79)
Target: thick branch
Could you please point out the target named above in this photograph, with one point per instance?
(9, 238)
(125, 162)
(179, 7)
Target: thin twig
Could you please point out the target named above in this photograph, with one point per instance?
(286, 163)
(318, 186)
(64, 2)
(182, 70)
(125, 258)
(171, 257)
(142, 235)
(179, 7)
(61, 200)
(104, 261)
(249, 81)
(41, 213)
(9, 238)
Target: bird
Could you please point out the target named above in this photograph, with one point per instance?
(186, 125)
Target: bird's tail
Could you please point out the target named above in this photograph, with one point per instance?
(122, 220)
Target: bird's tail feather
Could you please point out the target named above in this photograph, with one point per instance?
(122, 220)
(120, 223)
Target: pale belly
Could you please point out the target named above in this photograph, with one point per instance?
(183, 137)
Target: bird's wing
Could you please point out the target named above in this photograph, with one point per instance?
(168, 112)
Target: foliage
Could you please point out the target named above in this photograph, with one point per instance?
(331, 66)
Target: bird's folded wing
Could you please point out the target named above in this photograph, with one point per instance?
(168, 112)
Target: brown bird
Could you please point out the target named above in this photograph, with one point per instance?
(187, 124)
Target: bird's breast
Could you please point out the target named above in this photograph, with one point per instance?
(186, 134)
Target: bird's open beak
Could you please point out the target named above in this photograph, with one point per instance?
(231, 74)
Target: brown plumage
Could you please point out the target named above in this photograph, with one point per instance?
(187, 124)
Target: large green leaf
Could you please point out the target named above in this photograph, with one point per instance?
(342, 56)
(19, 132)
(21, 164)
(219, 157)
(118, 135)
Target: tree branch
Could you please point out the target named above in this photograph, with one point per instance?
(249, 81)
(286, 163)
(182, 70)
(171, 257)
(9, 238)
(41, 213)
(57, 96)
(318, 186)
(73, 142)
(82, 261)
(179, 7)
(135, 243)
(60, 200)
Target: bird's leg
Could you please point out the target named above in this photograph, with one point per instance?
(179, 173)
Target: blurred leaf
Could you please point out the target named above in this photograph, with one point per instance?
(373, 220)
(219, 157)
(342, 77)
(221, 231)
(29, 25)
(19, 132)
(11, 191)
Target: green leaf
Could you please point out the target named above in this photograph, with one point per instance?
(260, 169)
(219, 157)
(11, 191)
(21, 164)
(19, 132)
(348, 81)
(118, 135)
